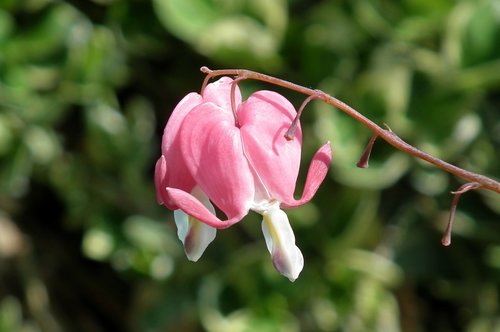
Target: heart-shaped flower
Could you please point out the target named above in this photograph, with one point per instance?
(239, 161)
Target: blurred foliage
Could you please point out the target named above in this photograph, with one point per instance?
(87, 86)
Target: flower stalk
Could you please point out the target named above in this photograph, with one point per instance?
(291, 130)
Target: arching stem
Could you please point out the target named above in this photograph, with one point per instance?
(387, 135)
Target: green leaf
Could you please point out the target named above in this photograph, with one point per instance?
(232, 31)
(185, 18)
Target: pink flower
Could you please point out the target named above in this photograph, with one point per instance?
(238, 164)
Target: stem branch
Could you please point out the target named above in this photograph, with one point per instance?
(387, 135)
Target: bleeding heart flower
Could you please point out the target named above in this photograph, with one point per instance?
(239, 161)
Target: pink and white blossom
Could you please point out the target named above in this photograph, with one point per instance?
(238, 161)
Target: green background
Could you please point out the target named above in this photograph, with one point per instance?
(86, 88)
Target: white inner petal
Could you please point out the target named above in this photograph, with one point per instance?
(181, 220)
(195, 235)
(280, 241)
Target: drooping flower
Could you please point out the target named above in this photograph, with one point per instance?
(239, 161)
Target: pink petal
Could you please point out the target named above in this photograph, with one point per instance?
(160, 183)
(177, 175)
(171, 170)
(264, 119)
(213, 152)
(180, 111)
(219, 93)
(315, 175)
(194, 208)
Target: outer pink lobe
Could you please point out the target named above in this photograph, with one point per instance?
(219, 93)
(180, 111)
(315, 176)
(171, 170)
(264, 119)
(160, 181)
(212, 149)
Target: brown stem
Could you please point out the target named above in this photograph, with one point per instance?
(291, 130)
(363, 161)
(387, 135)
(233, 98)
(446, 240)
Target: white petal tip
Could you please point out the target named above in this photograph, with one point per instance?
(192, 258)
(289, 267)
(280, 241)
(195, 235)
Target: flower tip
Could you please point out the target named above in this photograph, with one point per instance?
(194, 235)
(280, 241)
(293, 276)
(288, 267)
(329, 144)
(326, 152)
(192, 257)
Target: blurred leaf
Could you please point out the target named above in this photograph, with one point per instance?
(6, 26)
(10, 315)
(251, 31)
(87, 86)
(482, 33)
